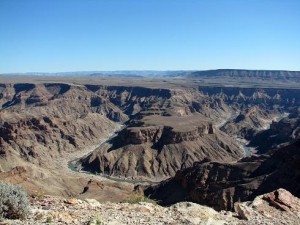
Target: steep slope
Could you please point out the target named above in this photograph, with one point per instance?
(220, 185)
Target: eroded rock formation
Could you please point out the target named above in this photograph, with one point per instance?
(220, 185)
(157, 151)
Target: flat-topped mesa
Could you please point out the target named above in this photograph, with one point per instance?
(163, 135)
(172, 136)
(160, 146)
(168, 129)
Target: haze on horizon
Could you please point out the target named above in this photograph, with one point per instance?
(56, 35)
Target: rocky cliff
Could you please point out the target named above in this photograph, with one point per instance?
(41, 122)
(220, 185)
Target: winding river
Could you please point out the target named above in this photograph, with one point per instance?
(240, 141)
(72, 164)
(243, 142)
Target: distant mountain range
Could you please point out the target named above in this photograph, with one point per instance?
(119, 73)
(272, 75)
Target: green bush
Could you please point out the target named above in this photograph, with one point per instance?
(14, 203)
(49, 219)
(136, 198)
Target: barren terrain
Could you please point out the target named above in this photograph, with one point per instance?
(172, 127)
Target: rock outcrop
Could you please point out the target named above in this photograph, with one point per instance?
(276, 207)
(156, 142)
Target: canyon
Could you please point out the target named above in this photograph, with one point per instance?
(171, 140)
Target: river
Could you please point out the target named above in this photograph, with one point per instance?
(72, 164)
(75, 168)
(240, 141)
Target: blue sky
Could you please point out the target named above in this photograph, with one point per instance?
(80, 35)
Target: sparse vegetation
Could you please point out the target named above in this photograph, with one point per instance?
(38, 194)
(96, 221)
(39, 216)
(49, 219)
(14, 203)
(136, 198)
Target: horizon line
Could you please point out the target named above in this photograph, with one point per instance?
(141, 70)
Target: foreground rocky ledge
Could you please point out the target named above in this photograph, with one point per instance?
(278, 207)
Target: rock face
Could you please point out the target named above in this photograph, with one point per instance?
(268, 97)
(277, 206)
(41, 121)
(220, 185)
